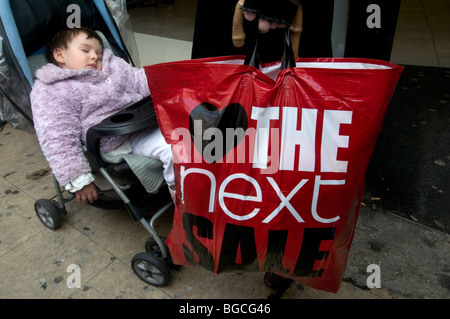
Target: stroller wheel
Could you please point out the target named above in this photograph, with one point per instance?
(151, 246)
(48, 213)
(150, 269)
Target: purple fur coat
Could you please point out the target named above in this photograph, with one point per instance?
(66, 103)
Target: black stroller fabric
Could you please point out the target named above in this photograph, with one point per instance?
(25, 28)
(36, 24)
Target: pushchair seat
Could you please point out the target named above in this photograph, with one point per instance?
(25, 27)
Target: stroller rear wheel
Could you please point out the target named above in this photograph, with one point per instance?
(150, 269)
(48, 213)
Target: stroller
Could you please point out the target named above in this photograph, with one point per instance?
(24, 30)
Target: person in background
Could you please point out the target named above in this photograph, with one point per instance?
(265, 20)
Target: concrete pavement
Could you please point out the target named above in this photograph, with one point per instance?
(412, 259)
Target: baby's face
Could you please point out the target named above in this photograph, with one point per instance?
(82, 53)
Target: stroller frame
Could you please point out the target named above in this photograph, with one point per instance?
(151, 266)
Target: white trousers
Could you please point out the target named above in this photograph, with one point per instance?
(151, 143)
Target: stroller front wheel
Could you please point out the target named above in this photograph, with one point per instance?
(150, 269)
(48, 213)
(151, 246)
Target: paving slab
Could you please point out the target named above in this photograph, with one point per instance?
(412, 259)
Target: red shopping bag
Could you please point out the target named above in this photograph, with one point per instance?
(270, 163)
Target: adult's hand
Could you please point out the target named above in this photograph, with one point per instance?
(271, 14)
(263, 25)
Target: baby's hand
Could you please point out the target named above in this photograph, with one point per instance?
(87, 193)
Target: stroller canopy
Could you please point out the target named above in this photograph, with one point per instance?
(25, 28)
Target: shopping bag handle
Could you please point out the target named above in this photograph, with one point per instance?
(287, 59)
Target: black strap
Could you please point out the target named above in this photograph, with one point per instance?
(287, 60)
